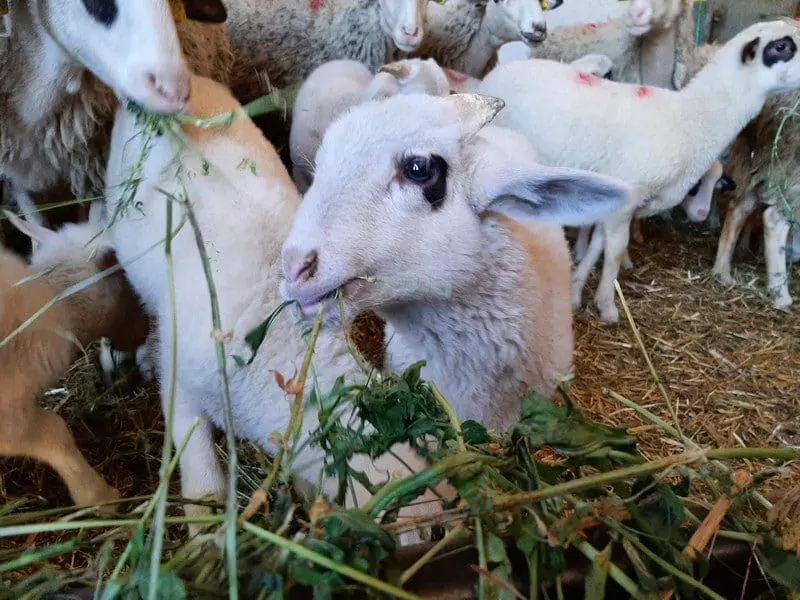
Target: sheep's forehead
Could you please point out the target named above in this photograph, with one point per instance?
(377, 133)
(774, 29)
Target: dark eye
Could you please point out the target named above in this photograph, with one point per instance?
(419, 169)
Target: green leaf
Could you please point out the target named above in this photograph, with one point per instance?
(568, 433)
(256, 337)
(474, 433)
(781, 565)
(598, 575)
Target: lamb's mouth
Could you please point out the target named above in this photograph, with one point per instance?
(311, 306)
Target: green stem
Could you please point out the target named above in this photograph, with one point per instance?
(16, 530)
(327, 563)
(297, 408)
(159, 529)
(231, 513)
(480, 544)
(451, 414)
(671, 569)
(453, 534)
(617, 574)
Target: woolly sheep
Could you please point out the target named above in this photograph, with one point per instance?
(465, 35)
(687, 129)
(255, 219)
(764, 183)
(283, 41)
(56, 113)
(40, 354)
(336, 86)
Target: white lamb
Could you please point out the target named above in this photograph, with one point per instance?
(520, 339)
(56, 114)
(40, 354)
(282, 41)
(340, 84)
(464, 35)
(587, 122)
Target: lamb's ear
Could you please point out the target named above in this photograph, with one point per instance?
(205, 11)
(37, 233)
(475, 110)
(570, 197)
(97, 213)
(399, 71)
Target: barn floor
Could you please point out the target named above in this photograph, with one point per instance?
(729, 363)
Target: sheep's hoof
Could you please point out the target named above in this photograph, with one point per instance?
(195, 511)
(99, 493)
(723, 276)
(608, 314)
(782, 302)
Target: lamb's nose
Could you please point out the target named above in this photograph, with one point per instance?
(539, 33)
(171, 83)
(410, 30)
(296, 267)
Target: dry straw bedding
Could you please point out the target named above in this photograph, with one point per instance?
(730, 365)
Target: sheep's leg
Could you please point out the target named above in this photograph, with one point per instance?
(27, 207)
(582, 243)
(616, 241)
(626, 262)
(776, 234)
(201, 474)
(581, 273)
(734, 221)
(45, 436)
(636, 231)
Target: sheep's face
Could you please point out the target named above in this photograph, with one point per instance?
(131, 45)
(645, 15)
(396, 213)
(510, 20)
(769, 50)
(405, 22)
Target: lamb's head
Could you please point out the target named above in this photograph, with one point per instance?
(510, 20)
(404, 21)
(645, 15)
(411, 76)
(72, 245)
(130, 45)
(767, 52)
(405, 225)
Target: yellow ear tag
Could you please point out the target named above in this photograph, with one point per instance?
(177, 8)
(5, 19)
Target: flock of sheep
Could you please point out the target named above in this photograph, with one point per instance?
(437, 174)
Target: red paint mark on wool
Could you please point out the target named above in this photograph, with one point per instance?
(643, 92)
(315, 5)
(586, 78)
(589, 27)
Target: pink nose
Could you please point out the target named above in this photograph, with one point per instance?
(168, 86)
(297, 267)
(410, 30)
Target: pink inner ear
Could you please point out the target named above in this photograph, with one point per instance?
(455, 77)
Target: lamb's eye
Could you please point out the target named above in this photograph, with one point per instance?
(419, 169)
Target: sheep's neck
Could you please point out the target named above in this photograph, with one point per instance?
(35, 71)
(480, 50)
(477, 329)
(722, 101)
